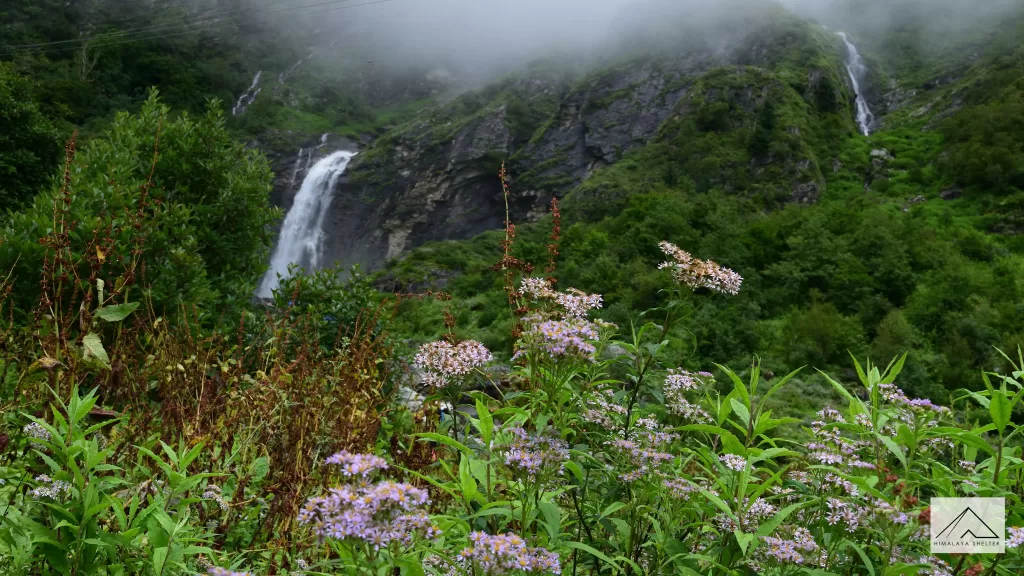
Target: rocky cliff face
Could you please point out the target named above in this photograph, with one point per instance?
(435, 178)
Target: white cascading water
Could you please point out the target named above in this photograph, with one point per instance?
(858, 73)
(302, 235)
(248, 97)
(296, 169)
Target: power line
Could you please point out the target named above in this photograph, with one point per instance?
(206, 15)
(187, 27)
(210, 28)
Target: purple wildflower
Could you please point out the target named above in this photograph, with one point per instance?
(506, 552)
(558, 338)
(697, 273)
(604, 411)
(50, 488)
(1016, 538)
(680, 488)
(357, 464)
(534, 455)
(378, 514)
(734, 462)
(36, 433)
(800, 549)
(572, 303)
(444, 362)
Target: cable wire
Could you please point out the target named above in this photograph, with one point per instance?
(213, 26)
(205, 15)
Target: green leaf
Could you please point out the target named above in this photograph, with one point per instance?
(738, 386)
(894, 370)
(854, 401)
(117, 312)
(776, 386)
(466, 480)
(410, 567)
(743, 540)
(576, 470)
(863, 557)
(446, 440)
(596, 554)
(894, 448)
(94, 348)
(1000, 409)
(612, 509)
(552, 518)
(741, 411)
(769, 527)
(770, 454)
(718, 502)
(486, 422)
(159, 557)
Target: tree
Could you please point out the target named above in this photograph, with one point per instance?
(29, 142)
(199, 227)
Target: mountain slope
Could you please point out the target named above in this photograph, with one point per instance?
(870, 245)
(751, 112)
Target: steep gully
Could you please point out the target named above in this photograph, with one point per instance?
(858, 75)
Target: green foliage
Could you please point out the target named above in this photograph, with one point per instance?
(190, 211)
(987, 147)
(29, 145)
(337, 298)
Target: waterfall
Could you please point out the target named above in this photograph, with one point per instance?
(247, 97)
(302, 235)
(858, 73)
(295, 169)
(284, 75)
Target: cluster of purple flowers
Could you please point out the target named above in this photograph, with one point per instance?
(506, 552)
(840, 511)
(213, 492)
(644, 454)
(680, 487)
(799, 549)
(534, 455)
(377, 514)
(733, 462)
(572, 303)
(50, 488)
(751, 517)
(559, 328)
(444, 362)
(697, 273)
(357, 464)
(36, 433)
(831, 448)
(677, 383)
(1016, 538)
(892, 393)
(558, 338)
(604, 411)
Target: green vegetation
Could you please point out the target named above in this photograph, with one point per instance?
(29, 143)
(594, 401)
(178, 202)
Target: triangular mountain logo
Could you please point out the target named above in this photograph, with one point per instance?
(967, 524)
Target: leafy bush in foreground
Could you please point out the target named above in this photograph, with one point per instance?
(175, 200)
(597, 457)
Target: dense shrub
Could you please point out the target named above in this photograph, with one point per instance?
(176, 198)
(29, 145)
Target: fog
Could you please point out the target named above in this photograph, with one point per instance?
(492, 35)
